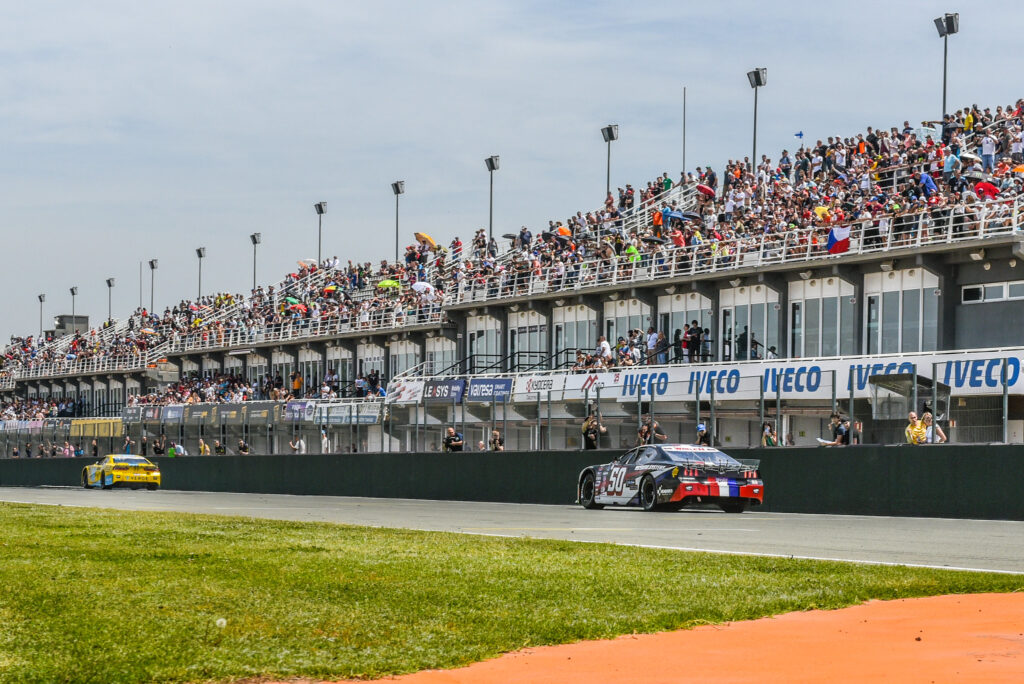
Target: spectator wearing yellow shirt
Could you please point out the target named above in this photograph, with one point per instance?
(915, 431)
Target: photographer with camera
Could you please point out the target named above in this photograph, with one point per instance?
(649, 432)
(592, 431)
(453, 440)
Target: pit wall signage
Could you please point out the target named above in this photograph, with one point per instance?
(527, 387)
(487, 389)
(443, 391)
(976, 373)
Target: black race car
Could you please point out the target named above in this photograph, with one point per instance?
(671, 476)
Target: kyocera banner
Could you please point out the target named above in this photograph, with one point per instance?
(529, 386)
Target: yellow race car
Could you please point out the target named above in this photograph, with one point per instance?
(121, 470)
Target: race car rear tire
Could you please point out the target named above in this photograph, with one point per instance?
(588, 492)
(734, 506)
(152, 487)
(85, 480)
(648, 494)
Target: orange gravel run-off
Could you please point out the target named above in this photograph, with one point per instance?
(967, 639)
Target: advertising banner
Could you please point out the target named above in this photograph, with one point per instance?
(299, 411)
(443, 391)
(151, 414)
(528, 386)
(404, 391)
(967, 373)
(348, 414)
(172, 414)
(486, 389)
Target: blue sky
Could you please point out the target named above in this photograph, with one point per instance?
(139, 130)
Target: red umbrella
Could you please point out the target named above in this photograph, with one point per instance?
(705, 190)
(987, 189)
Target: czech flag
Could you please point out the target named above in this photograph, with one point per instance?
(839, 239)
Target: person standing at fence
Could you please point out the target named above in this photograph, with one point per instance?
(914, 433)
(592, 431)
(693, 341)
(126, 448)
(453, 440)
(769, 438)
(243, 448)
(95, 449)
(204, 448)
(649, 432)
(219, 448)
(703, 436)
(325, 443)
(840, 435)
(933, 434)
(497, 442)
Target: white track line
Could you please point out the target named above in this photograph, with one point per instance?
(723, 552)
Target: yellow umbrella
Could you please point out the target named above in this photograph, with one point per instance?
(821, 211)
(425, 239)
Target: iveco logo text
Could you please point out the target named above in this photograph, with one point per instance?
(645, 383)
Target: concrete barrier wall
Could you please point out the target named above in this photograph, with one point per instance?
(954, 481)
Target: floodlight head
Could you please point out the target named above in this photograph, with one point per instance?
(398, 187)
(256, 238)
(110, 282)
(610, 132)
(758, 77)
(42, 298)
(948, 24)
(200, 252)
(74, 291)
(153, 264)
(492, 162)
(321, 208)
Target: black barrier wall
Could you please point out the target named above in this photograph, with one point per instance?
(951, 481)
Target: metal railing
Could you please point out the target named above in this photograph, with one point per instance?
(908, 231)
(303, 328)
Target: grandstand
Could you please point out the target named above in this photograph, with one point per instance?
(885, 253)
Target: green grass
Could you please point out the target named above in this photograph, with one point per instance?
(106, 596)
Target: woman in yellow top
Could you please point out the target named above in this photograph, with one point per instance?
(204, 448)
(915, 430)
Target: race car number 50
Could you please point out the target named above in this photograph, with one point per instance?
(616, 481)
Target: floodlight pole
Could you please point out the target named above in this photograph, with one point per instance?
(42, 298)
(398, 187)
(200, 253)
(753, 154)
(321, 209)
(152, 284)
(945, 64)
(490, 211)
(684, 136)
(255, 238)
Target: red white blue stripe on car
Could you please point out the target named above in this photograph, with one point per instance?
(724, 486)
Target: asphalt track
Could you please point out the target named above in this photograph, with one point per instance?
(991, 545)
